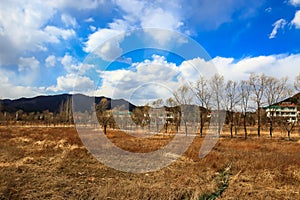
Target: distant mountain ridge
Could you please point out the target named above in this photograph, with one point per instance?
(52, 103)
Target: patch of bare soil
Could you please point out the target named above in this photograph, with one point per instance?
(52, 163)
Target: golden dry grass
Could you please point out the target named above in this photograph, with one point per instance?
(52, 163)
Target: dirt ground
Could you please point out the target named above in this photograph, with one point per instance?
(52, 163)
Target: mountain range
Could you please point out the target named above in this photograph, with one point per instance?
(52, 103)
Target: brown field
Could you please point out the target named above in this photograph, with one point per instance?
(52, 163)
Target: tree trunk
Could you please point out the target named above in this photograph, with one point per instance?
(231, 124)
(201, 130)
(245, 126)
(105, 127)
(219, 126)
(271, 128)
(258, 122)
(166, 127)
(201, 124)
(231, 130)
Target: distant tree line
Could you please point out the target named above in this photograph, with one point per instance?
(243, 99)
(64, 116)
(237, 104)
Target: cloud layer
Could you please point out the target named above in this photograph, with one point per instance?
(44, 43)
(165, 76)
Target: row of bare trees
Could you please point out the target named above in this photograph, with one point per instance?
(63, 116)
(213, 96)
(236, 102)
(238, 97)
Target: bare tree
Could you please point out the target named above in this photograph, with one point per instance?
(245, 91)
(103, 114)
(157, 114)
(288, 125)
(65, 111)
(30, 117)
(297, 83)
(217, 89)
(140, 115)
(183, 97)
(119, 115)
(4, 116)
(232, 97)
(174, 112)
(276, 90)
(258, 84)
(201, 90)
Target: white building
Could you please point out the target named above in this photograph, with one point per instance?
(285, 110)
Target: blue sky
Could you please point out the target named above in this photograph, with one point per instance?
(44, 44)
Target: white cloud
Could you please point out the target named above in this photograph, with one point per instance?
(90, 19)
(171, 14)
(272, 65)
(131, 84)
(147, 14)
(71, 65)
(21, 24)
(120, 25)
(93, 28)
(253, 64)
(55, 33)
(72, 82)
(77, 4)
(159, 18)
(50, 61)
(22, 28)
(152, 79)
(136, 83)
(192, 69)
(135, 14)
(143, 14)
(28, 63)
(295, 2)
(28, 71)
(67, 61)
(296, 20)
(133, 7)
(268, 10)
(12, 89)
(279, 24)
(105, 43)
(68, 20)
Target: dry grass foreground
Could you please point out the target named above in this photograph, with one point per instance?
(52, 163)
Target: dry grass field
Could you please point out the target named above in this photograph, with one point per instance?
(52, 163)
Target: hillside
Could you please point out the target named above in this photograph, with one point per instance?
(294, 99)
(52, 103)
